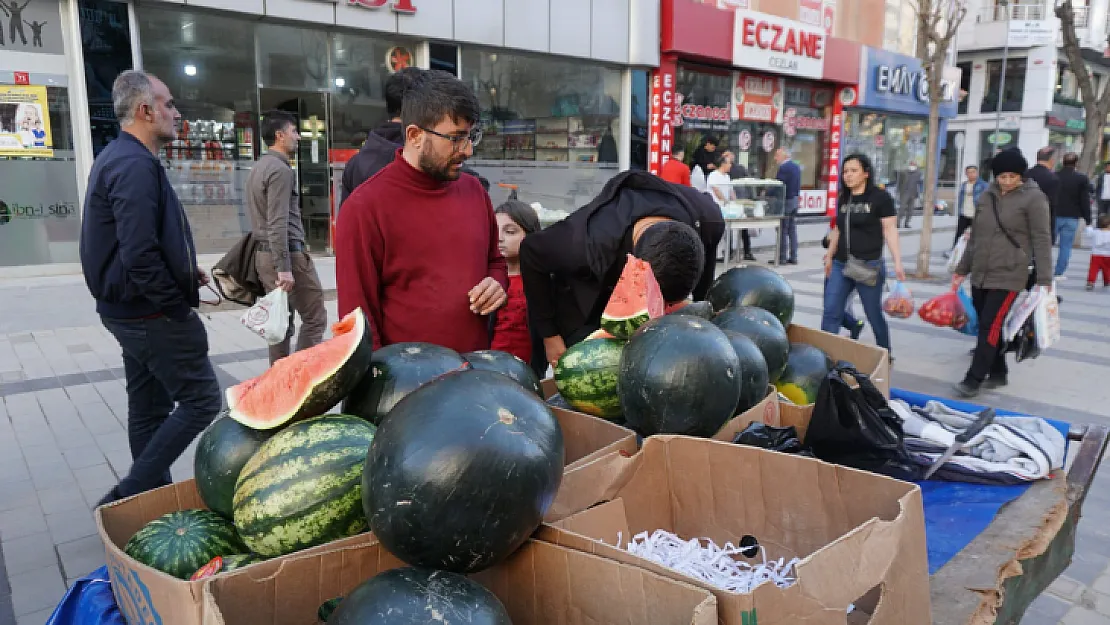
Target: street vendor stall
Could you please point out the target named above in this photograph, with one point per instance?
(749, 204)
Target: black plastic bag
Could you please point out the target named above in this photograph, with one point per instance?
(857, 428)
(776, 439)
(1024, 344)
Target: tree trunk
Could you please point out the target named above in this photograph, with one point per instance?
(1095, 105)
(1092, 145)
(929, 201)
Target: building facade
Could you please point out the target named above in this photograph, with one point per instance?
(563, 86)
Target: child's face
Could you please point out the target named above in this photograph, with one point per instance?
(509, 236)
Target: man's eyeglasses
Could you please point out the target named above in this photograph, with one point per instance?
(458, 142)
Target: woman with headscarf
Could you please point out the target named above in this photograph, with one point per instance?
(1010, 234)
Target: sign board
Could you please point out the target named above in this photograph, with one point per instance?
(1028, 33)
(812, 201)
(770, 43)
(404, 7)
(898, 83)
(757, 98)
(25, 121)
(809, 12)
(663, 106)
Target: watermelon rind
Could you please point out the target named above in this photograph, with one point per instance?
(506, 364)
(411, 595)
(624, 327)
(223, 449)
(599, 334)
(180, 542)
(395, 371)
(754, 285)
(586, 377)
(327, 388)
(303, 488)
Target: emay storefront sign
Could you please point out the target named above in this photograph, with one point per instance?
(405, 7)
(778, 45)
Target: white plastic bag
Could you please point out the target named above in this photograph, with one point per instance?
(1023, 306)
(1046, 319)
(269, 317)
(957, 254)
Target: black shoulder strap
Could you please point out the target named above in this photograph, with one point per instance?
(998, 218)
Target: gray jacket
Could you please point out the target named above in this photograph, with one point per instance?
(993, 261)
(274, 207)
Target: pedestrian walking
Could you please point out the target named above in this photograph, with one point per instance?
(281, 257)
(1011, 233)
(1044, 174)
(1073, 203)
(790, 174)
(865, 220)
(967, 198)
(1102, 190)
(1100, 252)
(910, 184)
(416, 245)
(849, 322)
(140, 265)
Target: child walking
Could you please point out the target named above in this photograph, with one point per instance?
(511, 333)
(1100, 252)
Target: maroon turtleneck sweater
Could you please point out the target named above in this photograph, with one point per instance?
(409, 248)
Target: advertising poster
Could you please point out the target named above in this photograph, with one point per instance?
(24, 121)
(757, 98)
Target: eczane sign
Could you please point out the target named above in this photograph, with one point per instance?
(778, 45)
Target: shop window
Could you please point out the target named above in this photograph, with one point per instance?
(641, 95)
(1014, 88)
(550, 125)
(990, 144)
(892, 142)
(965, 86)
(1067, 87)
(293, 57)
(106, 44)
(950, 170)
(360, 72)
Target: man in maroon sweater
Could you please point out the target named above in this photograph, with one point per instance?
(416, 245)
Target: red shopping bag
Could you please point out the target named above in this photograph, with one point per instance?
(945, 310)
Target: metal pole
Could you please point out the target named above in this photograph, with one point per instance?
(1002, 79)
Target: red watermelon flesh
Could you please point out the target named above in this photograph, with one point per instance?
(635, 300)
(599, 334)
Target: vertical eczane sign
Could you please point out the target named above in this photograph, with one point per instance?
(661, 128)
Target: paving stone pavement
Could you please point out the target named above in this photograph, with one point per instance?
(63, 413)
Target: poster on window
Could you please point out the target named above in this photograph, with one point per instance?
(757, 98)
(24, 121)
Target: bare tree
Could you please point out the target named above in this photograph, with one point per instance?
(937, 22)
(1095, 105)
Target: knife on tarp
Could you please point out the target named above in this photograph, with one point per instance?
(981, 421)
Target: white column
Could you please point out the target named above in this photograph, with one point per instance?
(136, 43)
(624, 136)
(78, 95)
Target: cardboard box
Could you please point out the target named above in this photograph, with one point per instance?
(586, 438)
(541, 584)
(146, 595)
(861, 536)
(766, 411)
(870, 359)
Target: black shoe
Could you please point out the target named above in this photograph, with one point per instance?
(792, 262)
(857, 330)
(749, 257)
(971, 351)
(994, 381)
(112, 496)
(1090, 286)
(966, 390)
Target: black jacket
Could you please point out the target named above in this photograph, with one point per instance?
(379, 150)
(236, 275)
(1049, 183)
(136, 248)
(571, 267)
(1073, 199)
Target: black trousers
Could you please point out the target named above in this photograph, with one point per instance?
(962, 224)
(992, 306)
(1103, 206)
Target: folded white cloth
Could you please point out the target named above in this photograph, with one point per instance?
(1027, 448)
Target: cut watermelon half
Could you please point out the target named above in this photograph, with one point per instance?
(599, 334)
(635, 300)
(307, 383)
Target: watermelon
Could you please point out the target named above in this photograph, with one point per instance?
(303, 487)
(415, 596)
(806, 368)
(678, 375)
(634, 301)
(462, 472)
(224, 447)
(307, 383)
(754, 285)
(224, 564)
(701, 309)
(586, 377)
(599, 334)
(328, 608)
(178, 543)
(396, 371)
(754, 378)
(763, 329)
(505, 364)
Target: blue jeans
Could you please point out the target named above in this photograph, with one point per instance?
(1066, 228)
(166, 363)
(788, 237)
(837, 291)
(849, 321)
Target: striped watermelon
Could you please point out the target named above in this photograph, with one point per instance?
(635, 300)
(586, 377)
(303, 487)
(178, 543)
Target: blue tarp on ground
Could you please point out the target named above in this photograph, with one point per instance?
(955, 513)
(88, 602)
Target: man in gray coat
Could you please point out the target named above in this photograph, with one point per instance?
(282, 260)
(909, 189)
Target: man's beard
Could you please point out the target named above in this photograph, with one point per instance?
(440, 170)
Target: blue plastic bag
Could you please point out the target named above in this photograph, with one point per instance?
(971, 328)
(88, 602)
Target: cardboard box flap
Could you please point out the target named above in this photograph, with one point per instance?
(593, 482)
(586, 438)
(142, 509)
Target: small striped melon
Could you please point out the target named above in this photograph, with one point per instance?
(178, 543)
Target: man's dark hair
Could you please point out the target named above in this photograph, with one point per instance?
(272, 122)
(1071, 159)
(712, 140)
(676, 255)
(396, 86)
(971, 167)
(437, 96)
(678, 152)
(522, 214)
(1045, 153)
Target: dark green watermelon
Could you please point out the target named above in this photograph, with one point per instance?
(419, 596)
(764, 329)
(678, 375)
(328, 608)
(178, 543)
(754, 378)
(462, 472)
(505, 364)
(224, 447)
(702, 309)
(395, 371)
(806, 369)
(754, 285)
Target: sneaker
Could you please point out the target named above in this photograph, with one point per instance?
(994, 381)
(1090, 286)
(966, 390)
(856, 330)
(1061, 278)
(112, 496)
(792, 262)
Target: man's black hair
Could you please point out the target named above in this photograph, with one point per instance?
(396, 86)
(437, 96)
(1071, 159)
(712, 140)
(676, 255)
(272, 122)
